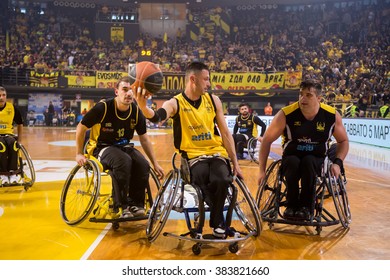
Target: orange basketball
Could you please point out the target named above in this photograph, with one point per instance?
(146, 75)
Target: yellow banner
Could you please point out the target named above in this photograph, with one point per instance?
(247, 81)
(81, 81)
(117, 34)
(106, 79)
(293, 79)
(43, 80)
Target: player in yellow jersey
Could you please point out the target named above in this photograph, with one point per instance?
(306, 127)
(9, 114)
(201, 135)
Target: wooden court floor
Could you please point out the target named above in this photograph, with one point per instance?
(31, 227)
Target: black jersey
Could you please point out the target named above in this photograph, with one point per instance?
(248, 125)
(303, 137)
(109, 126)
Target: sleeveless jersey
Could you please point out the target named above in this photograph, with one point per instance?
(8, 115)
(307, 137)
(109, 126)
(194, 129)
(247, 125)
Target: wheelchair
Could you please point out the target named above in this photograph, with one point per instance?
(88, 189)
(253, 148)
(271, 199)
(177, 194)
(25, 169)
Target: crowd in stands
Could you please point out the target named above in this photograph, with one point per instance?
(345, 47)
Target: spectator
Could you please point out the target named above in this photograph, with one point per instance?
(268, 109)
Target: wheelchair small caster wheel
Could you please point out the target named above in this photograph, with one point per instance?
(196, 249)
(318, 229)
(233, 248)
(115, 226)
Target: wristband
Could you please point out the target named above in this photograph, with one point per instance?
(339, 162)
(155, 118)
(159, 115)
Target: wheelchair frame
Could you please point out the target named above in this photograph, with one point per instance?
(172, 196)
(28, 176)
(83, 190)
(271, 197)
(253, 149)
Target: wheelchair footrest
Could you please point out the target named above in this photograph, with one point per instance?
(297, 222)
(209, 240)
(118, 220)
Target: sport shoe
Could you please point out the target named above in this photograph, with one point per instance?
(126, 214)
(289, 213)
(4, 180)
(14, 179)
(219, 232)
(303, 213)
(136, 211)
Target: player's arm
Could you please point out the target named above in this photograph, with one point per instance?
(227, 137)
(342, 149)
(273, 132)
(80, 138)
(260, 123)
(168, 109)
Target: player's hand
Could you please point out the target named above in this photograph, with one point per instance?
(261, 177)
(142, 96)
(81, 159)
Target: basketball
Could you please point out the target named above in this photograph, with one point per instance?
(146, 75)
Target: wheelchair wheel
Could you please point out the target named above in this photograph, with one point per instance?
(340, 198)
(80, 192)
(253, 150)
(266, 197)
(26, 167)
(246, 209)
(162, 205)
(152, 189)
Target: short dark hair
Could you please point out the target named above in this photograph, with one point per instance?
(196, 66)
(243, 104)
(125, 79)
(308, 84)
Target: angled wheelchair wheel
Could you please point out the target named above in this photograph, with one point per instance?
(152, 189)
(266, 197)
(80, 192)
(27, 168)
(253, 149)
(246, 209)
(339, 194)
(162, 205)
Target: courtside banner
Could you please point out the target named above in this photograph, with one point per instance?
(368, 131)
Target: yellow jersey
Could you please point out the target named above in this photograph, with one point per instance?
(195, 131)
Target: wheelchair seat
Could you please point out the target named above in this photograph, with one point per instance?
(179, 195)
(271, 199)
(88, 190)
(25, 169)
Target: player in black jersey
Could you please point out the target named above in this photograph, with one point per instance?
(306, 127)
(245, 128)
(112, 123)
